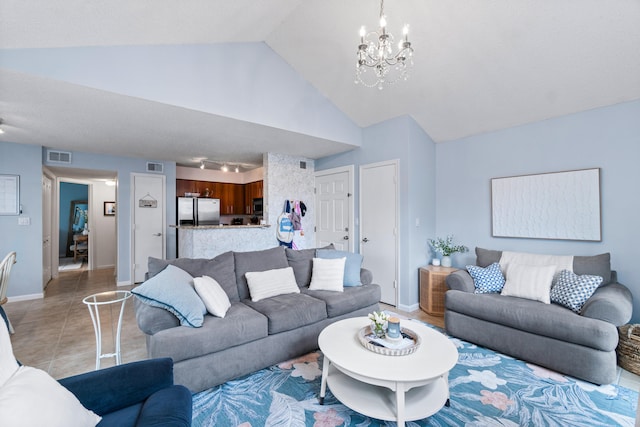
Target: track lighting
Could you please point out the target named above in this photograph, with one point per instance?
(237, 169)
(224, 168)
(202, 165)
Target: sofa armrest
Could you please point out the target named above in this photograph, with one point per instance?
(366, 276)
(108, 390)
(460, 280)
(612, 303)
(153, 319)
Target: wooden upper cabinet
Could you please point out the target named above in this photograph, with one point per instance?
(235, 199)
(185, 186)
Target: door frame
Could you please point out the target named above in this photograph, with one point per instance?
(90, 217)
(132, 216)
(396, 164)
(350, 169)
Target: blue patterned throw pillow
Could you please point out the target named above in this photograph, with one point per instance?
(572, 291)
(487, 280)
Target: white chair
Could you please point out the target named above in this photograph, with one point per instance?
(5, 272)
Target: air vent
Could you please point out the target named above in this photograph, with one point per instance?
(303, 165)
(59, 156)
(155, 167)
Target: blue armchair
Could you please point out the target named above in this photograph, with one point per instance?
(133, 394)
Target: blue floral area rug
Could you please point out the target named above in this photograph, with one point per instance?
(487, 389)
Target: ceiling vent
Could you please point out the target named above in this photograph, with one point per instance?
(155, 167)
(54, 156)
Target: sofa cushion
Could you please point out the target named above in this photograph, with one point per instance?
(351, 268)
(351, 299)
(596, 265)
(267, 259)
(550, 320)
(270, 283)
(240, 325)
(528, 281)
(172, 289)
(290, 311)
(301, 262)
(220, 268)
(328, 274)
(486, 280)
(212, 295)
(572, 291)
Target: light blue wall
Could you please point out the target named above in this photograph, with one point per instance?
(124, 167)
(27, 161)
(401, 139)
(608, 138)
(26, 240)
(245, 81)
(69, 192)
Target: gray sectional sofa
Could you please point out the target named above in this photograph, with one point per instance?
(252, 335)
(580, 345)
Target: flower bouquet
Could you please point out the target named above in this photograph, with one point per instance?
(379, 323)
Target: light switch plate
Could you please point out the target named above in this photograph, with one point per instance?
(24, 220)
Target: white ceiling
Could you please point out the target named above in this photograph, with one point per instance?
(480, 66)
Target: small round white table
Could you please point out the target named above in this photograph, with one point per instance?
(94, 302)
(392, 388)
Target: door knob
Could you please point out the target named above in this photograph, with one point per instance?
(158, 234)
(346, 237)
(365, 240)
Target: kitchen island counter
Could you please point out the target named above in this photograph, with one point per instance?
(209, 241)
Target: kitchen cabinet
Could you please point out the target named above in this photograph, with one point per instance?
(252, 190)
(235, 199)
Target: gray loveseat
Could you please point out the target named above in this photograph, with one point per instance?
(252, 335)
(550, 335)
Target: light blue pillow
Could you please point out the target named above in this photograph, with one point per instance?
(172, 289)
(351, 267)
(572, 291)
(487, 280)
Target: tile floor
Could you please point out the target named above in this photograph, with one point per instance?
(56, 334)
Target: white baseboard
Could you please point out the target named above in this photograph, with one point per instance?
(124, 283)
(408, 308)
(25, 297)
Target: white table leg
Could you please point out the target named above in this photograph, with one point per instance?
(400, 404)
(325, 374)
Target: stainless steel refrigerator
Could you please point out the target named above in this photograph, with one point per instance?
(198, 211)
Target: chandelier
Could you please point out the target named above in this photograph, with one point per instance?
(377, 63)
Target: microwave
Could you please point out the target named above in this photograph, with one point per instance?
(257, 206)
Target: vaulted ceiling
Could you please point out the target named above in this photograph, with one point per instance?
(480, 66)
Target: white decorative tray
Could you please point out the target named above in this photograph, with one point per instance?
(389, 347)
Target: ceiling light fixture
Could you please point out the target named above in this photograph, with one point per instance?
(237, 168)
(202, 164)
(224, 168)
(375, 51)
(1, 123)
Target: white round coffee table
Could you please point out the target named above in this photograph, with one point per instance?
(392, 388)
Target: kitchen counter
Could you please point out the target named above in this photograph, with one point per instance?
(209, 241)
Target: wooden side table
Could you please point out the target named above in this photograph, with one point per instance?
(433, 287)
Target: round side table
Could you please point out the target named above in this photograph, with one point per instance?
(111, 299)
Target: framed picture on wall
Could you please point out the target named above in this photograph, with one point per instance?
(556, 205)
(109, 208)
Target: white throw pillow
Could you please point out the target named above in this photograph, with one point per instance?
(212, 295)
(265, 284)
(530, 282)
(30, 397)
(328, 274)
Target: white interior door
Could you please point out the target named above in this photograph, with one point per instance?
(379, 225)
(148, 222)
(46, 230)
(334, 208)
